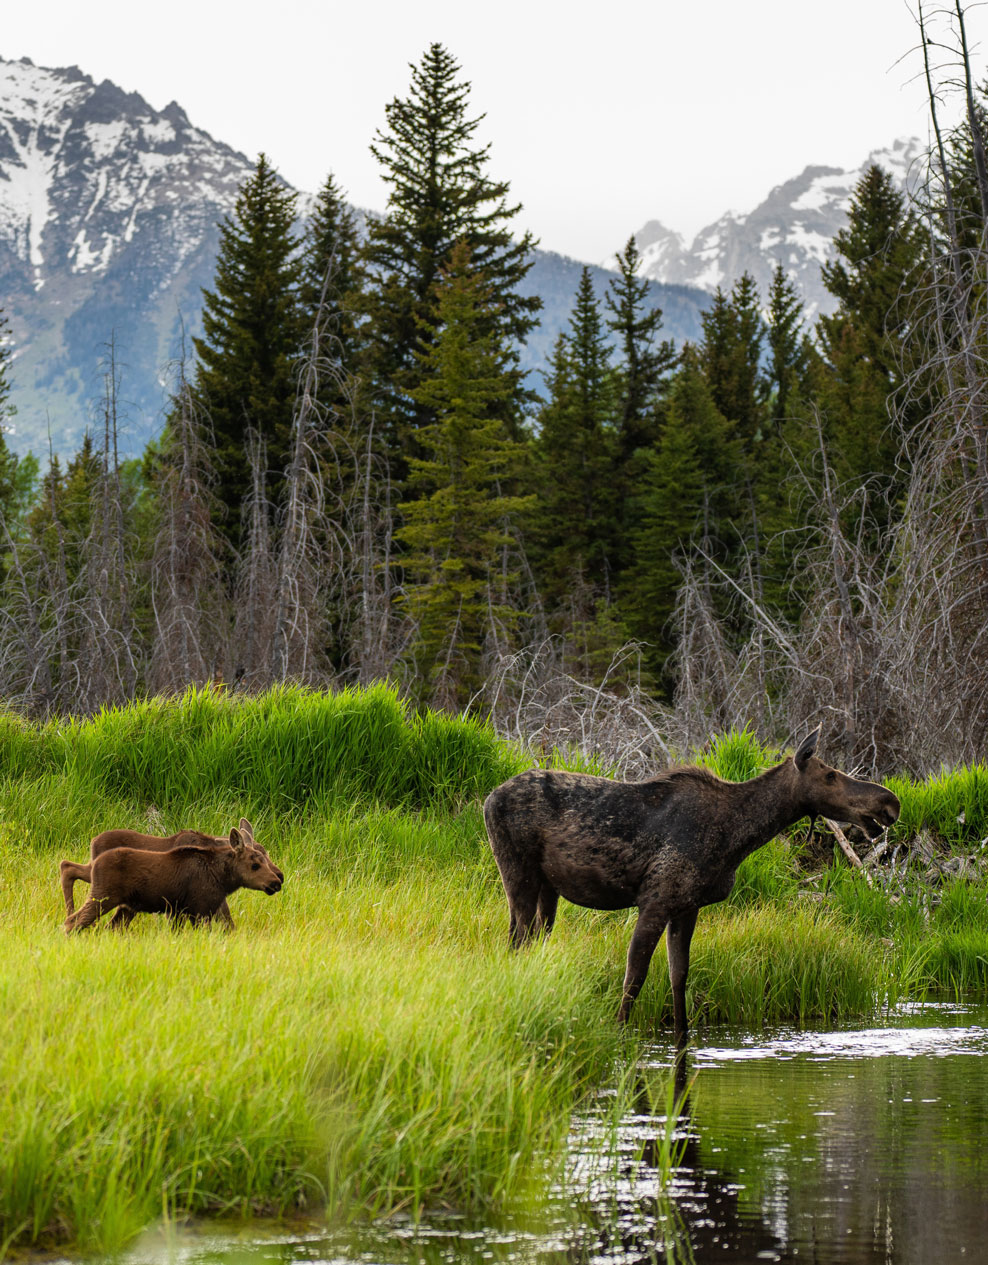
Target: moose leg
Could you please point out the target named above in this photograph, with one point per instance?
(88, 913)
(224, 916)
(68, 873)
(679, 933)
(122, 918)
(651, 923)
(546, 913)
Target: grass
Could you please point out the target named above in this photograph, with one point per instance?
(363, 1042)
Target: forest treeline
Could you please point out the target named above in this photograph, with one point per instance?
(784, 522)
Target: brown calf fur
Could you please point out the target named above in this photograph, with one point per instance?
(668, 845)
(185, 882)
(70, 872)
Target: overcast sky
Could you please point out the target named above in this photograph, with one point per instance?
(601, 116)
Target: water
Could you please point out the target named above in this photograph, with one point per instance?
(848, 1147)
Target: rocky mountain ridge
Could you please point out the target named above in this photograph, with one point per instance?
(795, 225)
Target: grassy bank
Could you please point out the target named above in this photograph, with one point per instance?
(363, 1041)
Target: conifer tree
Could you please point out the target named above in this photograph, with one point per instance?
(733, 334)
(686, 490)
(251, 333)
(576, 455)
(643, 363)
(439, 194)
(791, 355)
(458, 530)
(332, 279)
(863, 341)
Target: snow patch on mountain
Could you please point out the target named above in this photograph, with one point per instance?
(795, 225)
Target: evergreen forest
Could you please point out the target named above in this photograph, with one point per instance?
(784, 523)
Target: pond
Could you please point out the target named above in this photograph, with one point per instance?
(865, 1144)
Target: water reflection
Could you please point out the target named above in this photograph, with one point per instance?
(838, 1148)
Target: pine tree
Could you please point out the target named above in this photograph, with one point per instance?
(686, 490)
(251, 333)
(331, 281)
(792, 358)
(576, 455)
(458, 530)
(863, 342)
(733, 333)
(439, 195)
(643, 363)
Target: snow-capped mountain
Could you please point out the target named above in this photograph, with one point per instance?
(794, 226)
(108, 226)
(109, 216)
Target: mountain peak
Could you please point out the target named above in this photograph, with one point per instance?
(794, 226)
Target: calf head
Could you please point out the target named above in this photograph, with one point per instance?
(253, 866)
(247, 831)
(826, 792)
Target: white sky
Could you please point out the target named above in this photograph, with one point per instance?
(601, 116)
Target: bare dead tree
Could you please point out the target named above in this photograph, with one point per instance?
(188, 595)
(108, 650)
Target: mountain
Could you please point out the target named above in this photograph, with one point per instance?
(794, 226)
(108, 226)
(109, 213)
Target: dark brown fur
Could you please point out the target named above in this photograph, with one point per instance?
(70, 872)
(668, 846)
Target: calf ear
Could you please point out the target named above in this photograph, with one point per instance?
(236, 838)
(246, 828)
(806, 749)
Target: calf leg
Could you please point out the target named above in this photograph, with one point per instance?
(679, 933)
(651, 923)
(224, 916)
(94, 908)
(68, 873)
(122, 918)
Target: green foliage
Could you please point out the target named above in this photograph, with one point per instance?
(279, 750)
(332, 280)
(363, 1042)
(438, 195)
(643, 364)
(685, 488)
(864, 342)
(459, 530)
(576, 452)
(251, 332)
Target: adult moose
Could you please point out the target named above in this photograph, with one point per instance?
(668, 845)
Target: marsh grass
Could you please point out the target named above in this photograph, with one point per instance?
(363, 1042)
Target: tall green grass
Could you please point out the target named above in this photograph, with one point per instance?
(364, 1041)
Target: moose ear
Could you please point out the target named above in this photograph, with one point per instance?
(246, 828)
(236, 838)
(806, 749)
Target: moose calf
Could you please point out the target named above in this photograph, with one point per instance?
(668, 846)
(187, 881)
(70, 872)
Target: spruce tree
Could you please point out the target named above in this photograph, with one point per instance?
(331, 281)
(733, 334)
(686, 490)
(576, 455)
(457, 530)
(439, 194)
(251, 334)
(878, 255)
(644, 363)
(791, 355)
